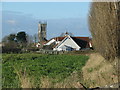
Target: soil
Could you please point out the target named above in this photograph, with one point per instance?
(99, 72)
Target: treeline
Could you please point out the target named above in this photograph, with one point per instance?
(104, 21)
(17, 43)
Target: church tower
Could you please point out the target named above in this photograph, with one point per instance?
(42, 31)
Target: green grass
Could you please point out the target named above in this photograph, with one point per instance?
(57, 67)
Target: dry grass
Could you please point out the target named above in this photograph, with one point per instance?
(25, 81)
(72, 81)
(96, 72)
(99, 72)
(45, 82)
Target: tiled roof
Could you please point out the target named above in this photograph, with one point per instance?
(82, 38)
(59, 38)
(80, 42)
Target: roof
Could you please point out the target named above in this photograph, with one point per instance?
(54, 46)
(80, 42)
(82, 38)
(56, 38)
(59, 38)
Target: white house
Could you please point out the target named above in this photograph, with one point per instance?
(38, 45)
(50, 42)
(67, 44)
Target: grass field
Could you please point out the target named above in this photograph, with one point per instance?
(29, 69)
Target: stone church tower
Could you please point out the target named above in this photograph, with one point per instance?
(42, 31)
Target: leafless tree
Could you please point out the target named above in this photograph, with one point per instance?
(104, 24)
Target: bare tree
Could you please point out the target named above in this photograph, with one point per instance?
(35, 38)
(104, 24)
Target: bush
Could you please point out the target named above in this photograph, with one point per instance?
(10, 50)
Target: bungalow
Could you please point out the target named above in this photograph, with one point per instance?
(68, 43)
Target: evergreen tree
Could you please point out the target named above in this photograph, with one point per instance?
(21, 38)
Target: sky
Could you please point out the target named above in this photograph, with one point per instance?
(60, 17)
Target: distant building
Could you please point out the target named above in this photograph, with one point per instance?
(41, 34)
(42, 31)
(37, 45)
(66, 42)
(69, 43)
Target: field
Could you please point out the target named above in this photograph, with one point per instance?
(30, 70)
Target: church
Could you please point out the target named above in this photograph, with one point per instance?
(64, 43)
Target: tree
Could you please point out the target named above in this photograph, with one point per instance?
(21, 38)
(10, 41)
(10, 44)
(29, 39)
(104, 21)
(35, 38)
(11, 37)
(5, 39)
